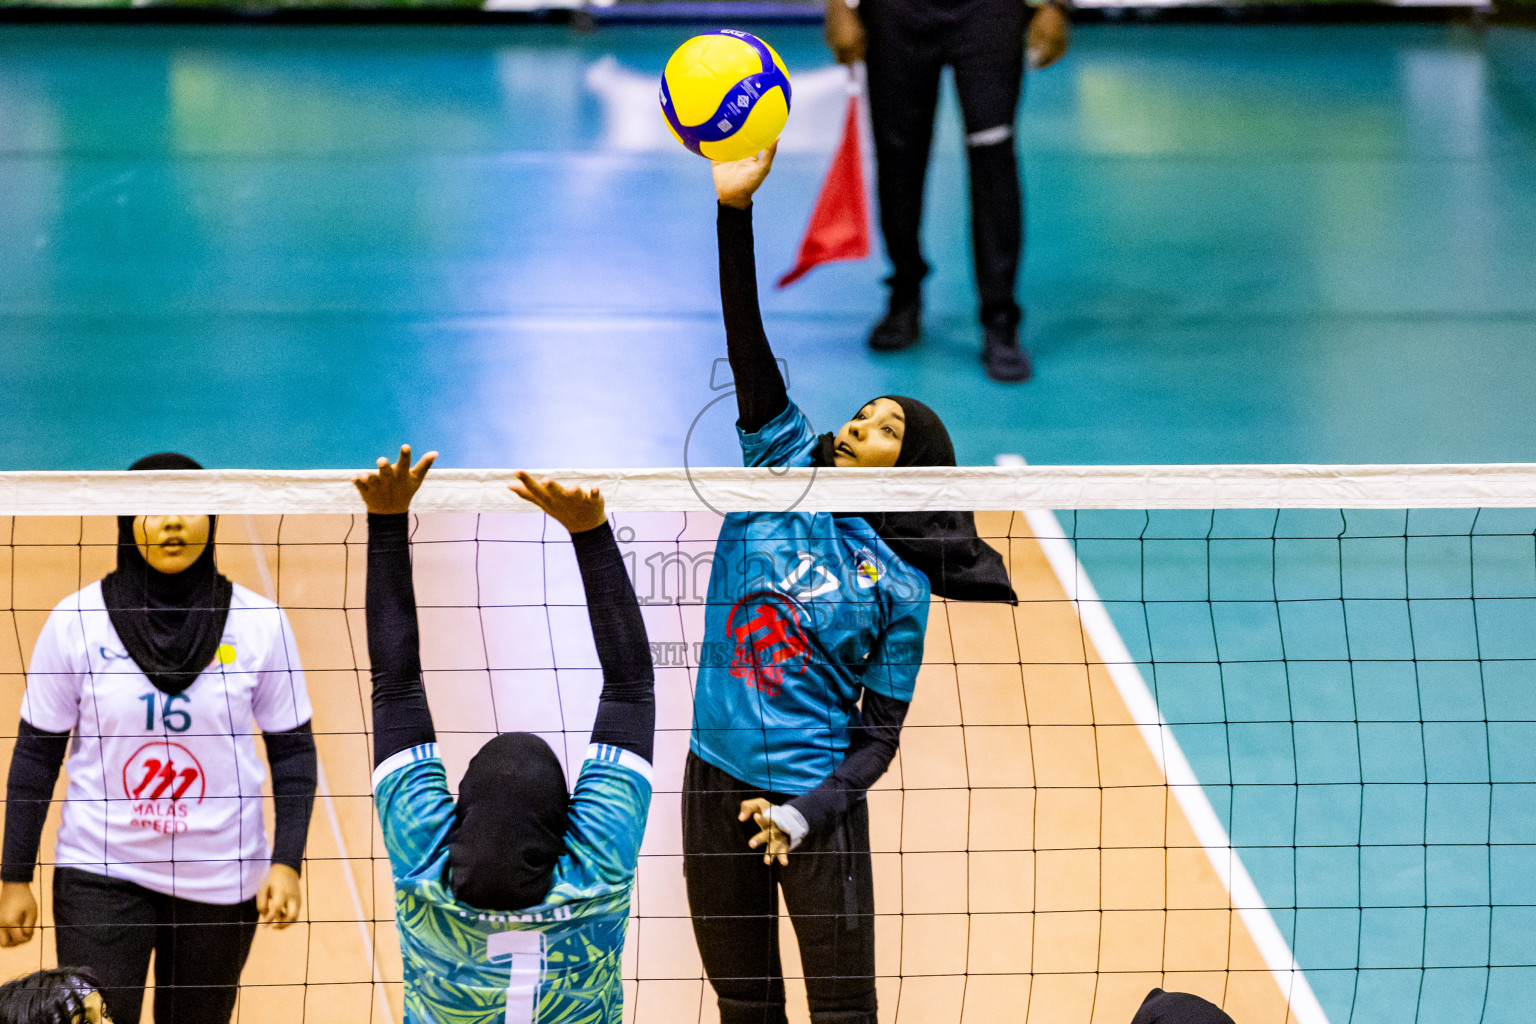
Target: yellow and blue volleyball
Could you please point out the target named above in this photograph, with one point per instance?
(725, 95)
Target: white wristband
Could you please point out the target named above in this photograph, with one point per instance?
(789, 821)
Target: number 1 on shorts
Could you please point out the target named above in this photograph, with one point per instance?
(526, 951)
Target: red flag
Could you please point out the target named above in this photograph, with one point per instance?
(839, 227)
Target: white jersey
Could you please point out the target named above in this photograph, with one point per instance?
(165, 790)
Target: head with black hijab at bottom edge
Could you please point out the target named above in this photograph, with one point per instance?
(1179, 1008)
(59, 995)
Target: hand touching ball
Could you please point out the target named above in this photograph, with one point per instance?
(725, 95)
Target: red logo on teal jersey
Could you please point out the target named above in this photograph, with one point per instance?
(768, 640)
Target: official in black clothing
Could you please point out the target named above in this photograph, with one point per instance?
(905, 44)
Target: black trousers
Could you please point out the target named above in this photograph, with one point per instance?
(734, 899)
(908, 43)
(111, 926)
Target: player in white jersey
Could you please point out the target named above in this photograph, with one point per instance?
(513, 900)
(156, 673)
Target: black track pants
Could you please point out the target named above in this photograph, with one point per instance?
(733, 897)
(111, 927)
(908, 43)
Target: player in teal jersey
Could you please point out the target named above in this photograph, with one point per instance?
(813, 638)
(512, 902)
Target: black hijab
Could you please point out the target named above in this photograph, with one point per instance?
(509, 824)
(943, 546)
(1178, 1008)
(170, 623)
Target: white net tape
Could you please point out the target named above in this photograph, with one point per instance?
(978, 488)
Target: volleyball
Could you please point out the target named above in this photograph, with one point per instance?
(725, 95)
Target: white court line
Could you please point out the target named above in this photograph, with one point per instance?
(357, 898)
(1176, 769)
(324, 792)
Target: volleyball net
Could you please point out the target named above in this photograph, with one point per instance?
(1267, 734)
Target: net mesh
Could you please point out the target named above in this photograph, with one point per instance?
(1285, 759)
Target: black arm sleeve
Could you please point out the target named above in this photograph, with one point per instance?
(626, 710)
(35, 767)
(760, 393)
(871, 746)
(294, 777)
(401, 718)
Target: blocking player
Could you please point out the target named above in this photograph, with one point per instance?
(512, 901)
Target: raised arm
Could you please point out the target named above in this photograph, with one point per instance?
(401, 717)
(626, 710)
(760, 393)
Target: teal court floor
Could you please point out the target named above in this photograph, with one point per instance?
(282, 247)
(295, 247)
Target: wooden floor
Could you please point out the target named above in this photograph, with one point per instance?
(1030, 863)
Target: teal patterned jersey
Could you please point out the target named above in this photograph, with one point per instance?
(556, 963)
